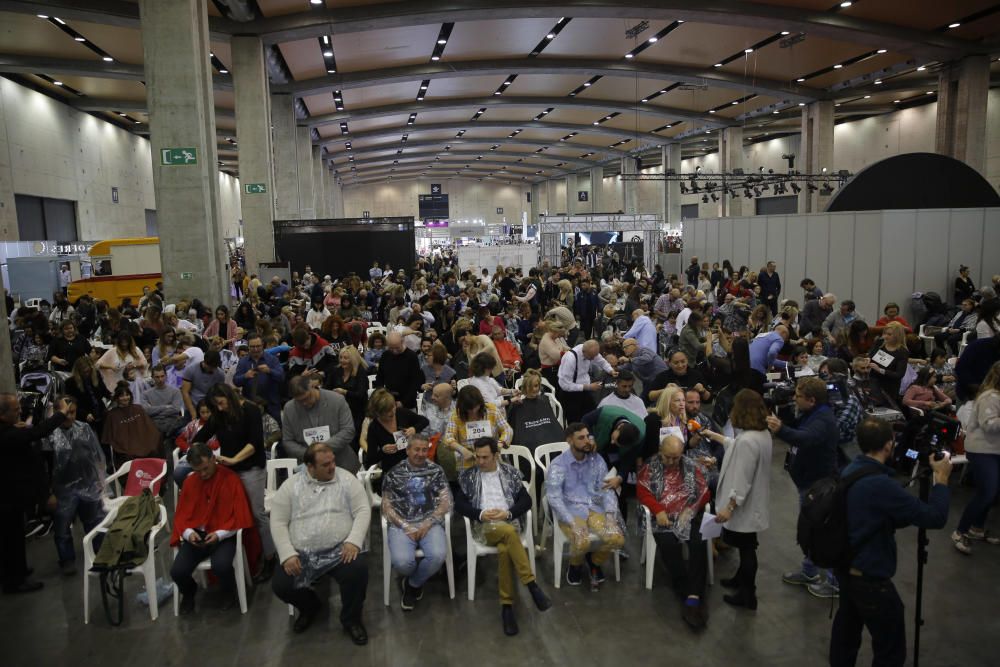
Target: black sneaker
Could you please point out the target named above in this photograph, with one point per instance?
(596, 571)
(266, 570)
(187, 605)
(542, 601)
(574, 575)
(409, 599)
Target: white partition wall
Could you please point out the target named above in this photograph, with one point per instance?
(872, 257)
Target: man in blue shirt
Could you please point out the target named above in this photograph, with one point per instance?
(764, 349)
(260, 376)
(643, 330)
(876, 506)
(583, 504)
(812, 455)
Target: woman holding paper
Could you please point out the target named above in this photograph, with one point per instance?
(743, 491)
(889, 359)
(389, 429)
(472, 419)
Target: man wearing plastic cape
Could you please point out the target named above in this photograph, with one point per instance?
(77, 480)
(415, 500)
(319, 520)
(674, 489)
(493, 495)
(582, 501)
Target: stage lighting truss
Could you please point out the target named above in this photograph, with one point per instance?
(749, 185)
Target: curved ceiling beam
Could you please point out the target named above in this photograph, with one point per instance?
(498, 101)
(453, 165)
(600, 130)
(407, 156)
(94, 69)
(437, 173)
(414, 177)
(505, 141)
(551, 66)
(831, 25)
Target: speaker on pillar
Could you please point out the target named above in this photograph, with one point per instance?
(638, 165)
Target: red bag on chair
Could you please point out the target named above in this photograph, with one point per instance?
(141, 476)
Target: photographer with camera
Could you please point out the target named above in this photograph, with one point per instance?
(812, 455)
(876, 506)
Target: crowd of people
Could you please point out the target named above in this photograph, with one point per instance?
(655, 384)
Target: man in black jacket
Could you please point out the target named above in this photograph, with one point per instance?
(399, 371)
(19, 482)
(812, 456)
(491, 493)
(876, 506)
(770, 286)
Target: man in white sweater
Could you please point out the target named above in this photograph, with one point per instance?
(319, 520)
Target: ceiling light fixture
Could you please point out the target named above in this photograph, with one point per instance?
(435, 58)
(881, 51)
(223, 71)
(59, 83)
(846, 4)
(747, 50)
(58, 20)
(838, 66)
(896, 101)
(717, 65)
(954, 25)
(442, 42)
(551, 35)
(80, 39)
(653, 40)
(802, 104)
(42, 16)
(878, 82)
(921, 68)
(801, 79)
(629, 55)
(315, 2)
(108, 59)
(785, 32)
(868, 97)
(331, 71)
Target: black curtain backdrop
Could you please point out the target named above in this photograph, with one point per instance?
(339, 246)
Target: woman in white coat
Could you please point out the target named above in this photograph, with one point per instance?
(743, 491)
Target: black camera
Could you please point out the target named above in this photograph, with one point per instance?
(933, 434)
(780, 399)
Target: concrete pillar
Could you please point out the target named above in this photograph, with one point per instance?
(338, 200)
(535, 209)
(597, 190)
(286, 168)
(253, 132)
(307, 173)
(571, 194)
(179, 93)
(322, 204)
(670, 191)
(963, 87)
(730, 158)
(328, 190)
(816, 150)
(551, 206)
(630, 188)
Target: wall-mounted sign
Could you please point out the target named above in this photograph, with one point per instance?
(186, 275)
(366, 214)
(114, 195)
(582, 195)
(435, 188)
(178, 156)
(499, 210)
(57, 248)
(255, 188)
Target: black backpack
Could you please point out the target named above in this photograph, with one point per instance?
(822, 526)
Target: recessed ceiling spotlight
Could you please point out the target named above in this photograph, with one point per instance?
(645, 99)
(775, 112)
(802, 104)
(331, 71)
(929, 92)
(896, 101)
(653, 40)
(711, 111)
(223, 71)
(629, 55)
(80, 39)
(878, 82)
(785, 32)
(747, 50)
(551, 35)
(328, 54)
(954, 25)
(108, 59)
(921, 68)
(881, 51)
(423, 87)
(59, 83)
(868, 97)
(838, 66)
(717, 65)
(586, 83)
(846, 4)
(801, 79)
(736, 102)
(442, 42)
(435, 58)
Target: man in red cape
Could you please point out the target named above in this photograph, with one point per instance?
(212, 508)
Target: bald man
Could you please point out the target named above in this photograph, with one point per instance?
(576, 389)
(19, 477)
(399, 371)
(643, 330)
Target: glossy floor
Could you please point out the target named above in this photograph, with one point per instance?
(623, 623)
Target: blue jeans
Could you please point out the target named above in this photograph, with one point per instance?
(70, 505)
(181, 472)
(985, 469)
(402, 553)
(808, 567)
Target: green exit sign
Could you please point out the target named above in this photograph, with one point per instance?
(255, 188)
(178, 156)
(185, 275)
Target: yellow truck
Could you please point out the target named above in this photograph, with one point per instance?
(121, 268)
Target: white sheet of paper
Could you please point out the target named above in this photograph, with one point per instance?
(882, 358)
(671, 430)
(709, 528)
(316, 434)
(804, 372)
(477, 429)
(401, 440)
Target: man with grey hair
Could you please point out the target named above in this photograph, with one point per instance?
(317, 415)
(642, 330)
(575, 385)
(399, 371)
(319, 520)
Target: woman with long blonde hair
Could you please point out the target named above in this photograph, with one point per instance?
(350, 380)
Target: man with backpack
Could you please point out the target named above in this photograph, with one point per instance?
(876, 506)
(812, 456)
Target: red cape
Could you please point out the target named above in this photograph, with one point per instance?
(219, 503)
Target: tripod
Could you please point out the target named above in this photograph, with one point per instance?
(923, 475)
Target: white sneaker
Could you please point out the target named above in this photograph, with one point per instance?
(961, 542)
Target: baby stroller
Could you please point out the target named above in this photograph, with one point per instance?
(36, 392)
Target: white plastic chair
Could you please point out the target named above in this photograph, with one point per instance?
(241, 570)
(387, 560)
(271, 483)
(147, 568)
(647, 555)
(543, 455)
(557, 408)
(516, 454)
(474, 548)
(124, 470)
(177, 457)
(375, 328)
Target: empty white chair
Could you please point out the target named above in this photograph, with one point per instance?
(474, 548)
(647, 555)
(147, 569)
(148, 471)
(557, 408)
(241, 570)
(387, 560)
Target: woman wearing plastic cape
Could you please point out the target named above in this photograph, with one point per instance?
(77, 481)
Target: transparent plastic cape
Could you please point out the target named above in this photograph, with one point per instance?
(683, 491)
(471, 482)
(411, 496)
(594, 509)
(316, 563)
(78, 461)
